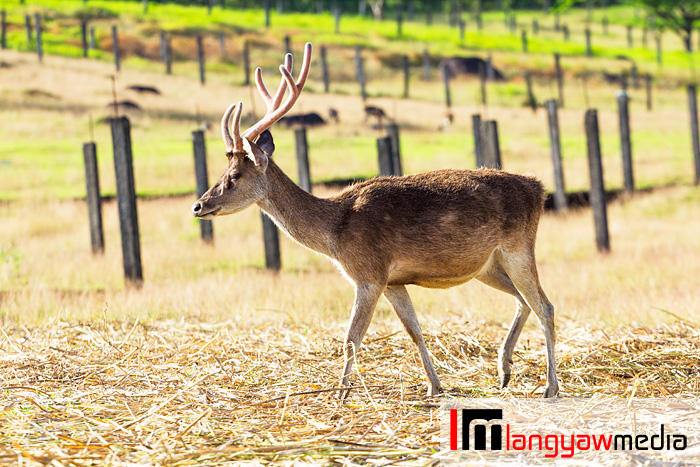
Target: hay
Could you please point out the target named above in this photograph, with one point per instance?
(185, 393)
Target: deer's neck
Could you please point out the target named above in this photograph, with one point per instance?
(307, 219)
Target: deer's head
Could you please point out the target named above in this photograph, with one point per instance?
(244, 181)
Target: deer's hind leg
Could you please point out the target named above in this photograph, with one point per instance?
(519, 265)
(494, 275)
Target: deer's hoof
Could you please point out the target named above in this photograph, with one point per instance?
(434, 390)
(505, 379)
(343, 394)
(550, 391)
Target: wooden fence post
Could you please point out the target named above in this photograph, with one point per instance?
(83, 37)
(406, 76)
(647, 80)
(693, 107)
(200, 59)
(635, 76)
(589, 48)
(93, 42)
(246, 62)
(532, 100)
(605, 25)
(659, 52)
(115, 46)
(490, 74)
(630, 43)
(39, 45)
(555, 143)
(645, 33)
(560, 79)
(324, 69)
(168, 56)
(360, 72)
(478, 146)
(426, 65)
(535, 27)
(126, 200)
(28, 28)
(287, 44)
(625, 140)
(303, 159)
(222, 46)
(462, 29)
(163, 46)
(384, 154)
(597, 194)
(3, 29)
(482, 81)
(490, 146)
(201, 176)
(565, 31)
(94, 202)
(524, 40)
(337, 13)
(392, 131)
(271, 239)
(446, 80)
(268, 7)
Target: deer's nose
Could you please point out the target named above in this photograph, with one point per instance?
(196, 208)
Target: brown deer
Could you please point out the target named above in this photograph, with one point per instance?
(436, 229)
(376, 112)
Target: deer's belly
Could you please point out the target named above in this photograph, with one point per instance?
(433, 276)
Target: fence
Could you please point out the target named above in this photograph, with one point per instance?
(166, 52)
(487, 152)
(485, 133)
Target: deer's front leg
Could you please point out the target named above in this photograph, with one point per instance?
(401, 301)
(366, 297)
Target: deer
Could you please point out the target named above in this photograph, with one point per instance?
(376, 112)
(446, 121)
(436, 229)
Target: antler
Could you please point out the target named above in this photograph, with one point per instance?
(233, 143)
(274, 110)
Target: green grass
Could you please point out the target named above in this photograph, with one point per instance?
(62, 33)
(42, 137)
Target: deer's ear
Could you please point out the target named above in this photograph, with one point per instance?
(266, 143)
(254, 153)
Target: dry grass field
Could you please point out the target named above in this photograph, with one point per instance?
(216, 361)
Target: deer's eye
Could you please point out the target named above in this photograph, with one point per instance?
(235, 176)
